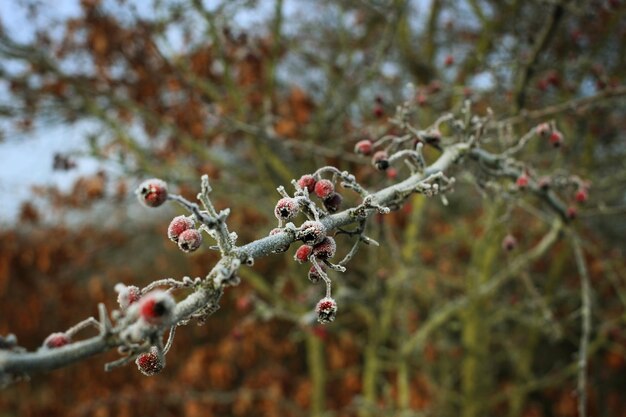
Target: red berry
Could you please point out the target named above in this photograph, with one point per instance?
(381, 160)
(422, 99)
(152, 193)
(333, 202)
(56, 340)
(509, 242)
(189, 240)
(571, 212)
(149, 363)
(178, 225)
(286, 209)
(325, 249)
(326, 310)
(449, 60)
(522, 181)
(581, 195)
(303, 253)
(314, 275)
(312, 232)
(127, 295)
(307, 181)
(324, 188)
(379, 111)
(157, 307)
(364, 147)
(556, 139)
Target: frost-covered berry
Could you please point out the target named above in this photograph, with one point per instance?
(556, 139)
(312, 232)
(522, 181)
(314, 275)
(543, 130)
(581, 195)
(303, 253)
(286, 209)
(127, 295)
(333, 202)
(307, 181)
(380, 160)
(189, 240)
(325, 249)
(326, 310)
(152, 192)
(324, 188)
(571, 212)
(282, 248)
(149, 363)
(56, 340)
(364, 147)
(178, 225)
(157, 307)
(509, 243)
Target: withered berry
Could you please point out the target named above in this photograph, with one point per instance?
(333, 202)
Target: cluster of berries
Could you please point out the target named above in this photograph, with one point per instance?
(554, 136)
(183, 232)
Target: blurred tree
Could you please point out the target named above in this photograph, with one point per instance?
(439, 319)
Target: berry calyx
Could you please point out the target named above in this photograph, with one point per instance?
(177, 226)
(509, 243)
(522, 181)
(286, 209)
(56, 340)
(303, 253)
(380, 160)
(149, 363)
(157, 307)
(333, 202)
(326, 310)
(325, 249)
(324, 188)
(364, 147)
(152, 192)
(189, 240)
(312, 232)
(307, 181)
(556, 139)
(127, 295)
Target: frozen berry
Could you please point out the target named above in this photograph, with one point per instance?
(307, 181)
(543, 130)
(149, 363)
(178, 225)
(303, 253)
(312, 232)
(581, 195)
(381, 160)
(314, 275)
(127, 295)
(157, 307)
(556, 139)
(190, 240)
(286, 209)
(522, 181)
(364, 147)
(509, 242)
(282, 248)
(324, 188)
(333, 202)
(325, 249)
(152, 193)
(326, 310)
(56, 340)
